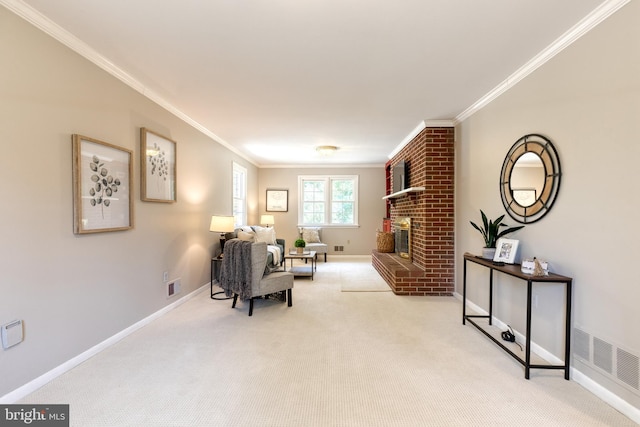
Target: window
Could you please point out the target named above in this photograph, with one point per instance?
(239, 194)
(328, 200)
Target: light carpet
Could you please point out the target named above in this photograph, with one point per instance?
(333, 359)
(361, 277)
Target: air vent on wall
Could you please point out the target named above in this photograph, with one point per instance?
(173, 288)
(628, 368)
(581, 347)
(603, 355)
(620, 365)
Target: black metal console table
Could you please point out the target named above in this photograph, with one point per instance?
(514, 270)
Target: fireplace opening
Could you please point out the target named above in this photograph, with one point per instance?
(402, 232)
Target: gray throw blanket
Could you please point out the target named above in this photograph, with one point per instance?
(236, 274)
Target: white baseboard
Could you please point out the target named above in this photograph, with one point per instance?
(606, 395)
(43, 379)
(602, 393)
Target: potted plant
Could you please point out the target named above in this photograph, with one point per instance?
(300, 244)
(490, 231)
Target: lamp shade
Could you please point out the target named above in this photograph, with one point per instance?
(267, 219)
(222, 224)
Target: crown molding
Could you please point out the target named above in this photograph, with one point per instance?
(440, 123)
(49, 27)
(407, 139)
(598, 15)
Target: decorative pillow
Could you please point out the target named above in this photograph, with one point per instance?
(246, 236)
(310, 235)
(267, 235)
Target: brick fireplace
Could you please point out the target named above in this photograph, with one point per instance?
(430, 268)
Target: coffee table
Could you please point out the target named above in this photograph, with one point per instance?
(304, 270)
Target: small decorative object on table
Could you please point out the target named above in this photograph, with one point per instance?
(535, 267)
(299, 244)
(491, 233)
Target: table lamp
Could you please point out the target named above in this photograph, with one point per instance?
(267, 220)
(222, 224)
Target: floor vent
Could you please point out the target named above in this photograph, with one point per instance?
(621, 365)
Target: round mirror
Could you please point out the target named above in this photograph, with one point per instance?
(530, 178)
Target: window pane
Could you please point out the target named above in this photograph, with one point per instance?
(342, 213)
(328, 200)
(239, 194)
(342, 189)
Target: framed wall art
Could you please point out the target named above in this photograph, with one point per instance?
(102, 178)
(506, 250)
(277, 201)
(157, 167)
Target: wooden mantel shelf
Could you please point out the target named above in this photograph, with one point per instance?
(404, 192)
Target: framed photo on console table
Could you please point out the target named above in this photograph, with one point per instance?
(506, 250)
(277, 200)
(102, 177)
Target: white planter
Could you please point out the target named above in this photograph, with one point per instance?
(488, 253)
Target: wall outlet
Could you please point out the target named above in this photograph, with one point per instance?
(165, 276)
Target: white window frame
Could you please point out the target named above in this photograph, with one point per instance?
(239, 194)
(327, 179)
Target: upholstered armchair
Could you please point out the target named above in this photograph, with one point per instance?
(312, 236)
(244, 273)
(254, 233)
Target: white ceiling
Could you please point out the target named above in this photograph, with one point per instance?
(273, 79)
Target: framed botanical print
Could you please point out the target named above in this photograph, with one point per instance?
(102, 185)
(277, 201)
(157, 167)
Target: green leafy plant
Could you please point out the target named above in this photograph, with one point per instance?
(491, 230)
(104, 184)
(300, 243)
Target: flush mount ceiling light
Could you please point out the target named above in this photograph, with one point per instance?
(326, 150)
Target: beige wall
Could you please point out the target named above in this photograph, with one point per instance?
(587, 101)
(356, 241)
(75, 291)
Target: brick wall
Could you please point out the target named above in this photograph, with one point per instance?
(430, 159)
